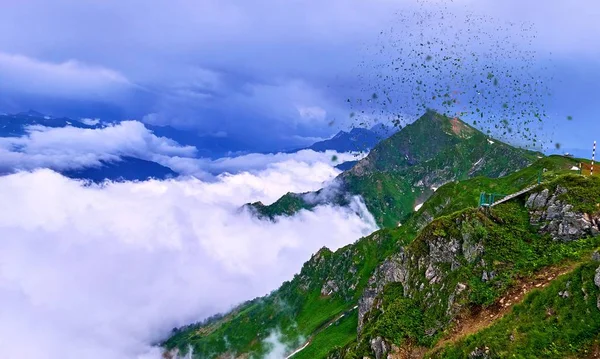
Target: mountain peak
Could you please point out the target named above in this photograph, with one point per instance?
(453, 126)
(31, 113)
(443, 140)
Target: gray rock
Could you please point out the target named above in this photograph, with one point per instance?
(471, 251)
(380, 348)
(330, 287)
(564, 294)
(392, 270)
(430, 273)
(538, 200)
(596, 256)
(452, 308)
(480, 353)
(597, 278)
(559, 219)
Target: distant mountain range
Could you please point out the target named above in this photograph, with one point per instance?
(13, 125)
(357, 140)
(129, 167)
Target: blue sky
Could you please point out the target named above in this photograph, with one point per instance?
(273, 73)
(107, 270)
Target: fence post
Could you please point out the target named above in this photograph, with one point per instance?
(593, 159)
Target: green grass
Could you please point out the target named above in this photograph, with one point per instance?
(390, 179)
(545, 324)
(583, 194)
(513, 249)
(464, 194)
(338, 334)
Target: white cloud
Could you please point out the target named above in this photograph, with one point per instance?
(90, 121)
(255, 161)
(71, 79)
(73, 148)
(312, 113)
(104, 271)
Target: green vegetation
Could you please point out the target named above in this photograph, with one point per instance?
(399, 172)
(449, 258)
(339, 334)
(287, 205)
(583, 193)
(297, 308)
(545, 325)
(513, 250)
(464, 194)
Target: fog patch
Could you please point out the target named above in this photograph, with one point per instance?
(106, 271)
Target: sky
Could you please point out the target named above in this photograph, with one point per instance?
(107, 270)
(255, 70)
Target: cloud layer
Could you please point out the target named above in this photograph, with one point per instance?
(105, 271)
(69, 148)
(254, 69)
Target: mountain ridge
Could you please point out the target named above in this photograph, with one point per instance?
(405, 169)
(466, 258)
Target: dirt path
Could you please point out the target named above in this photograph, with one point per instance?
(474, 322)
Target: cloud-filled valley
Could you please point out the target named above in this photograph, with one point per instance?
(73, 148)
(104, 271)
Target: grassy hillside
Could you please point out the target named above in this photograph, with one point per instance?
(464, 263)
(405, 169)
(548, 323)
(333, 283)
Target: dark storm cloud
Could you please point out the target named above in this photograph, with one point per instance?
(262, 70)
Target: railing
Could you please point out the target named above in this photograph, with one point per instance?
(490, 199)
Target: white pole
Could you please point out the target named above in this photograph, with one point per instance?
(593, 159)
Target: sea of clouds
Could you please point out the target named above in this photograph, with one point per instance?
(72, 148)
(106, 271)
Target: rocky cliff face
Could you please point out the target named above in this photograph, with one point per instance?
(597, 283)
(425, 268)
(558, 218)
(434, 270)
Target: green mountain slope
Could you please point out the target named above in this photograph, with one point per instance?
(467, 261)
(338, 292)
(559, 321)
(404, 170)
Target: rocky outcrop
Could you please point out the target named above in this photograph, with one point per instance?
(329, 288)
(380, 348)
(332, 274)
(423, 268)
(480, 353)
(392, 270)
(557, 218)
(597, 283)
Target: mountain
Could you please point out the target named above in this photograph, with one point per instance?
(13, 125)
(520, 279)
(384, 131)
(402, 171)
(209, 146)
(125, 169)
(357, 140)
